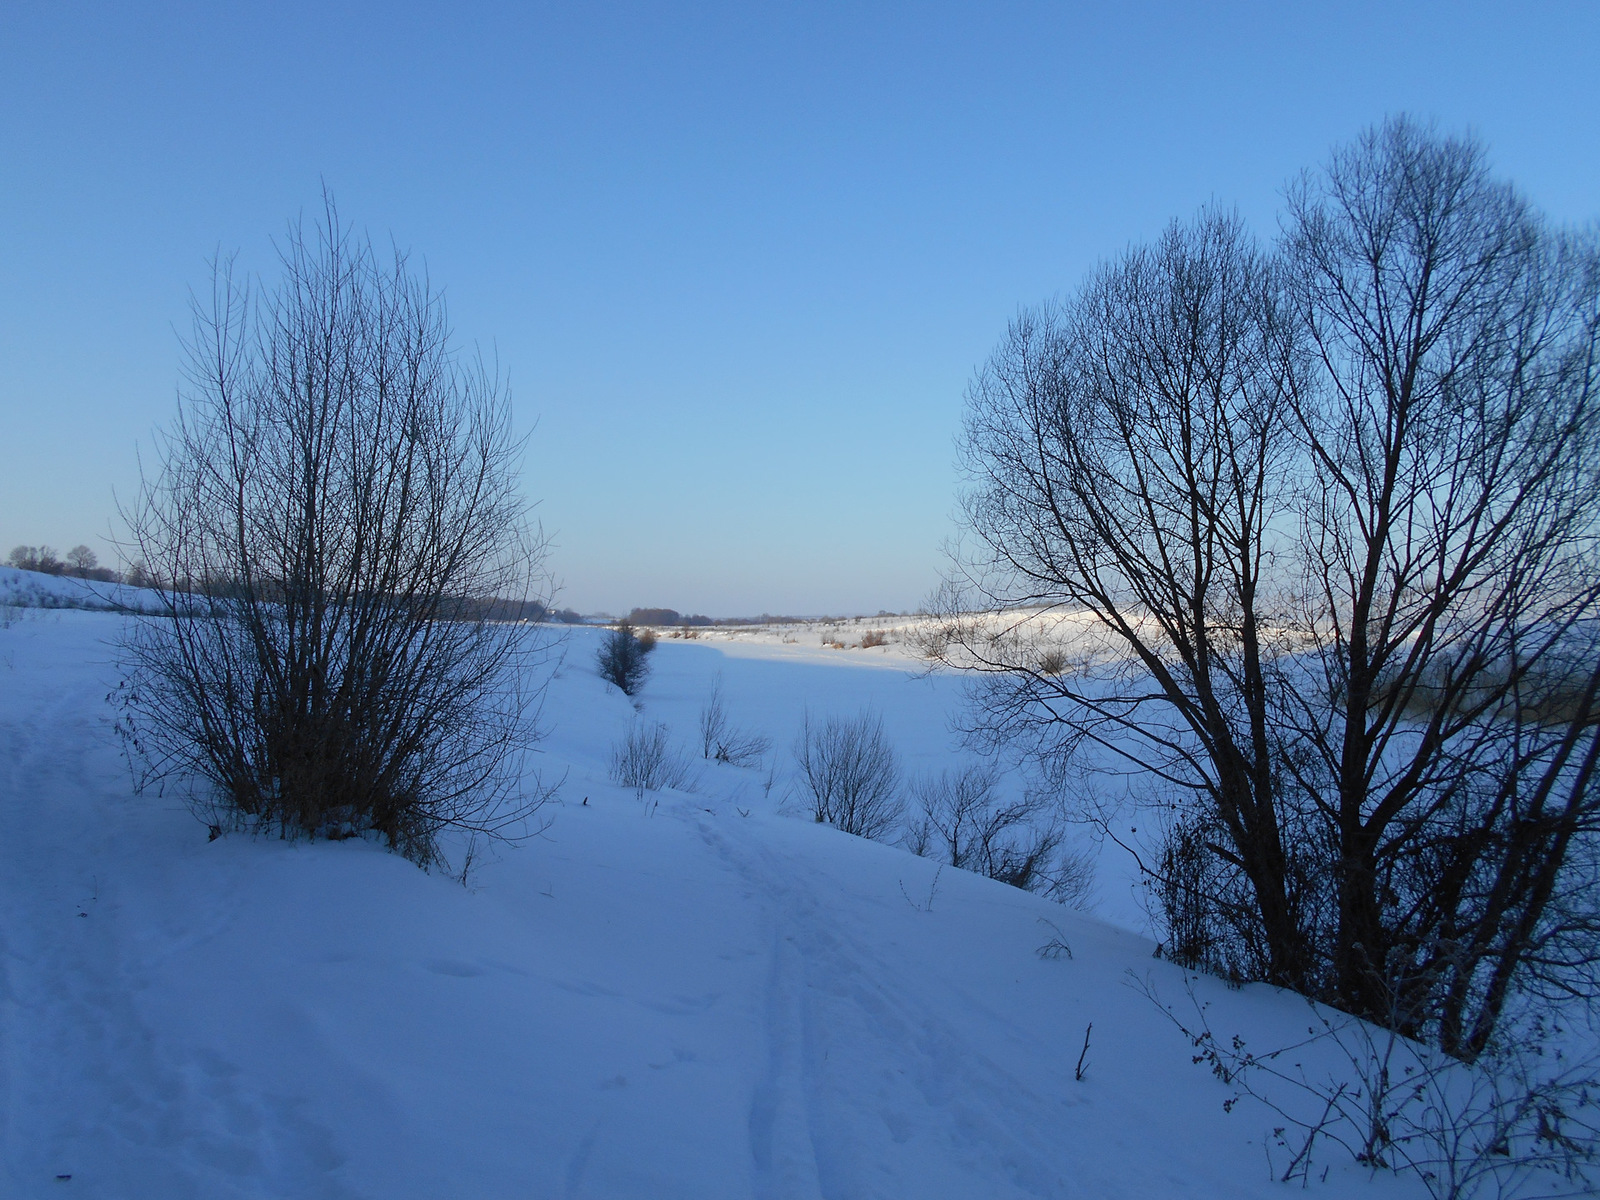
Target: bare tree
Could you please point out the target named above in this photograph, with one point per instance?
(82, 560)
(1127, 453)
(345, 552)
(849, 774)
(36, 558)
(1312, 544)
(1445, 726)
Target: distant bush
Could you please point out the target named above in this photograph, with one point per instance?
(875, 638)
(963, 822)
(36, 558)
(622, 657)
(722, 740)
(849, 774)
(645, 760)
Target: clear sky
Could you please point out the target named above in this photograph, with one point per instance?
(738, 260)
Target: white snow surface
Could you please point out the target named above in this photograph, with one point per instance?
(668, 999)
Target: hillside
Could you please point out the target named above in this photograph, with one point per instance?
(667, 999)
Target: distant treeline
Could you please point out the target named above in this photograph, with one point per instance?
(666, 616)
(671, 616)
(521, 610)
(80, 562)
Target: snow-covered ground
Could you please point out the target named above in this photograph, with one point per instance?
(698, 997)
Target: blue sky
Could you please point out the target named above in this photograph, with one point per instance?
(738, 261)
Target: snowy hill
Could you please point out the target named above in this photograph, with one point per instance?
(670, 999)
(36, 589)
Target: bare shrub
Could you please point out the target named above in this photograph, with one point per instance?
(873, 638)
(722, 740)
(36, 558)
(622, 660)
(1073, 879)
(646, 761)
(1196, 891)
(337, 516)
(849, 775)
(962, 821)
(713, 720)
(1522, 1114)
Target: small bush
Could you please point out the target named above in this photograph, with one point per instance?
(622, 658)
(849, 774)
(338, 511)
(645, 760)
(963, 822)
(722, 740)
(876, 638)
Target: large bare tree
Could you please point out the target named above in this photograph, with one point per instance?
(1127, 452)
(347, 556)
(1310, 543)
(1451, 584)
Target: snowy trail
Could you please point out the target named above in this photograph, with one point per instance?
(832, 1006)
(92, 1087)
(67, 980)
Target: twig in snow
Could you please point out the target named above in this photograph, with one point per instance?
(1057, 946)
(933, 890)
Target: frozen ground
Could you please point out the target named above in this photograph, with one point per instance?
(676, 1000)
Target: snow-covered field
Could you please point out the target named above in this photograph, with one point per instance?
(700, 997)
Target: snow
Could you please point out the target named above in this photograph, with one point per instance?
(666, 999)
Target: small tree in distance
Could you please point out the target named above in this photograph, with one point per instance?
(622, 657)
(724, 741)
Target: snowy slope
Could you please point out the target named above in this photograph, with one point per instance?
(36, 589)
(650, 1002)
